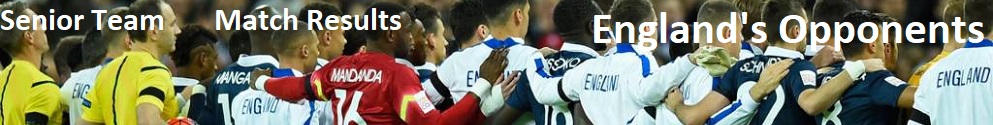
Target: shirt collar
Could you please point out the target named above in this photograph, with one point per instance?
(492, 42)
(428, 66)
(984, 43)
(251, 60)
(404, 62)
(780, 52)
(183, 81)
(578, 48)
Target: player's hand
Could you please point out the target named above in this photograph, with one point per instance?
(545, 51)
(674, 98)
(872, 65)
(255, 75)
(769, 79)
(826, 56)
(493, 67)
(509, 84)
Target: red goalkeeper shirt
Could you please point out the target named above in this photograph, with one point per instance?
(371, 88)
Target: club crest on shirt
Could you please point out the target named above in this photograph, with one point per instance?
(808, 77)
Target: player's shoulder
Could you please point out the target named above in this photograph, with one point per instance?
(802, 64)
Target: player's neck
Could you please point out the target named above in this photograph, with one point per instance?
(503, 32)
(291, 63)
(382, 49)
(189, 72)
(578, 39)
(434, 58)
(149, 47)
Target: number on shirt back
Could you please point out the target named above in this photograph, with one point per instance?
(352, 114)
(226, 107)
(831, 115)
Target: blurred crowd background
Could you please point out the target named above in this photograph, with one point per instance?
(541, 31)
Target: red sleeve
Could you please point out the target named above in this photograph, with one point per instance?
(415, 108)
(296, 88)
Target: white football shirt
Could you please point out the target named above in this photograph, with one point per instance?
(957, 89)
(75, 88)
(461, 70)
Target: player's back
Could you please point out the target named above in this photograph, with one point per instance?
(366, 88)
(28, 96)
(522, 98)
(461, 70)
(956, 89)
(75, 88)
(253, 107)
(232, 80)
(132, 79)
(780, 106)
(872, 99)
(612, 85)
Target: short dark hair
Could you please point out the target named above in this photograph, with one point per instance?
(754, 9)
(428, 16)
(466, 16)
(388, 8)
(980, 11)
(67, 54)
(260, 39)
(96, 48)
(574, 15)
(193, 36)
(498, 10)
(11, 38)
(290, 38)
(355, 42)
(109, 36)
(239, 43)
(774, 13)
(952, 9)
(326, 10)
(634, 11)
(716, 11)
(143, 7)
(855, 47)
(831, 11)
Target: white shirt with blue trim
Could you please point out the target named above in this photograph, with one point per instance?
(957, 89)
(461, 70)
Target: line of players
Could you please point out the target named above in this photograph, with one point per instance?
(746, 83)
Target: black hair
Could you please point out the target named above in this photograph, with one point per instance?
(355, 42)
(96, 48)
(754, 9)
(715, 12)
(634, 11)
(11, 38)
(466, 16)
(239, 43)
(428, 16)
(855, 47)
(831, 11)
(387, 8)
(500, 9)
(574, 16)
(980, 11)
(67, 54)
(193, 36)
(143, 7)
(774, 13)
(326, 10)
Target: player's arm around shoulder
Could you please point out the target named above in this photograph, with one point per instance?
(45, 104)
(815, 99)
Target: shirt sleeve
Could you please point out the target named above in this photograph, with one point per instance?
(802, 76)
(740, 111)
(547, 89)
(157, 89)
(44, 105)
(414, 107)
(298, 88)
(655, 87)
(92, 112)
(887, 91)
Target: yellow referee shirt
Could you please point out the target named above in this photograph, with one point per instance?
(915, 79)
(29, 96)
(131, 79)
